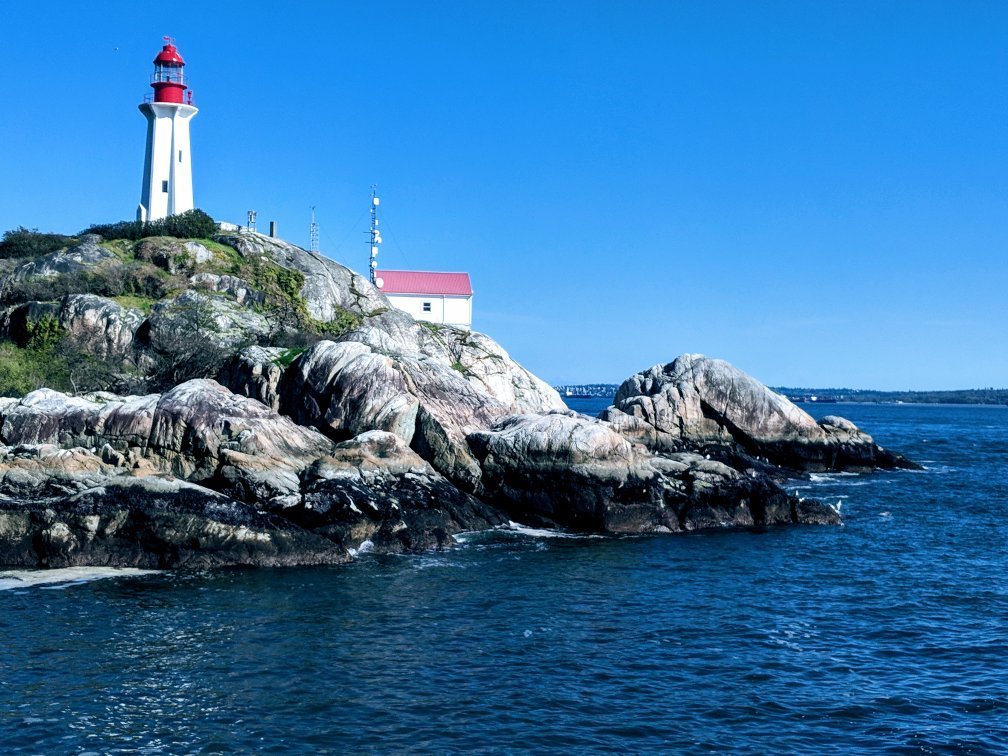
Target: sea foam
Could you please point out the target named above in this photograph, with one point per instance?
(64, 577)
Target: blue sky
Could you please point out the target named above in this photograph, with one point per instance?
(815, 192)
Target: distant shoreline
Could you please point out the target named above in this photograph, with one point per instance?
(978, 397)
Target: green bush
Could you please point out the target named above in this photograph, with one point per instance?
(43, 334)
(192, 224)
(23, 242)
(24, 370)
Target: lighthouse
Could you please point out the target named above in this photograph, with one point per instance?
(167, 179)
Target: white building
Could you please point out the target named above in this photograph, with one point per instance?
(444, 298)
(167, 180)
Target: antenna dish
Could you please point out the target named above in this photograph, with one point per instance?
(375, 201)
(379, 282)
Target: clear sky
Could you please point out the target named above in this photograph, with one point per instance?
(813, 191)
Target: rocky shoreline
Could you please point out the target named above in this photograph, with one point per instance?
(394, 433)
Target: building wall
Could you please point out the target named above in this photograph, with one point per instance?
(167, 160)
(443, 308)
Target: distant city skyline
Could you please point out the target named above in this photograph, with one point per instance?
(814, 192)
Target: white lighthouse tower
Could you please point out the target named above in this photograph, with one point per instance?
(167, 179)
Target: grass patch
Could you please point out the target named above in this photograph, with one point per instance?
(144, 304)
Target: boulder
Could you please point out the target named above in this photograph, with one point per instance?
(696, 402)
(104, 326)
(565, 469)
(45, 471)
(199, 431)
(328, 286)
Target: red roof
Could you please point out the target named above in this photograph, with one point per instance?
(169, 56)
(424, 282)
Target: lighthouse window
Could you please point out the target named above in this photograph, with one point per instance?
(180, 156)
(164, 186)
(426, 306)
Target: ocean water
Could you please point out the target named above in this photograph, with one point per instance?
(889, 634)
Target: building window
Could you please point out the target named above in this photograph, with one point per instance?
(164, 186)
(426, 306)
(180, 156)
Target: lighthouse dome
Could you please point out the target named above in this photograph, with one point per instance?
(169, 56)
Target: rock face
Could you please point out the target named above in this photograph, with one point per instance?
(154, 523)
(176, 322)
(85, 255)
(375, 489)
(347, 388)
(182, 479)
(106, 326)
(328, 285)
(695, 402)
(566, 469)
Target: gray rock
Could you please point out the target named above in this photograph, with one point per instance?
(255, 372)
(374, 488)
(85, 255)
(241, 291)
(154, 523)
(198, 431)
(347, 388)
(328, 285)
(566, 469)
(176, 323)
(104, 326)
(698, 402)
(173, 255)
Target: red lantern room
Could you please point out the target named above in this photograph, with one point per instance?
(168, 79)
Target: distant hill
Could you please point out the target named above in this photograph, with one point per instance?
(828, 395)
(962, 396)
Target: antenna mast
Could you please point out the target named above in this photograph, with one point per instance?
(313, 233)
(375, 239)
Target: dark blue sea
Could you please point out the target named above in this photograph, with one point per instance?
(889, 634)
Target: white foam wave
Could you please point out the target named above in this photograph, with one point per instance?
(517, 527)
(64, 577)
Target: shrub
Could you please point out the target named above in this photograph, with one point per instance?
(43, 334)
(192, 224)
(22, 242)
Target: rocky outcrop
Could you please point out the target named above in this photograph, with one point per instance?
(348, 388)
(86, 255)
(328, 286)
(104, 326)
(255, 372)
(154, 523)
(566, 469)
(375, 489)
(172, 255)
(236, 457)
(696, 402)
(239, 290)
(179, 323)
